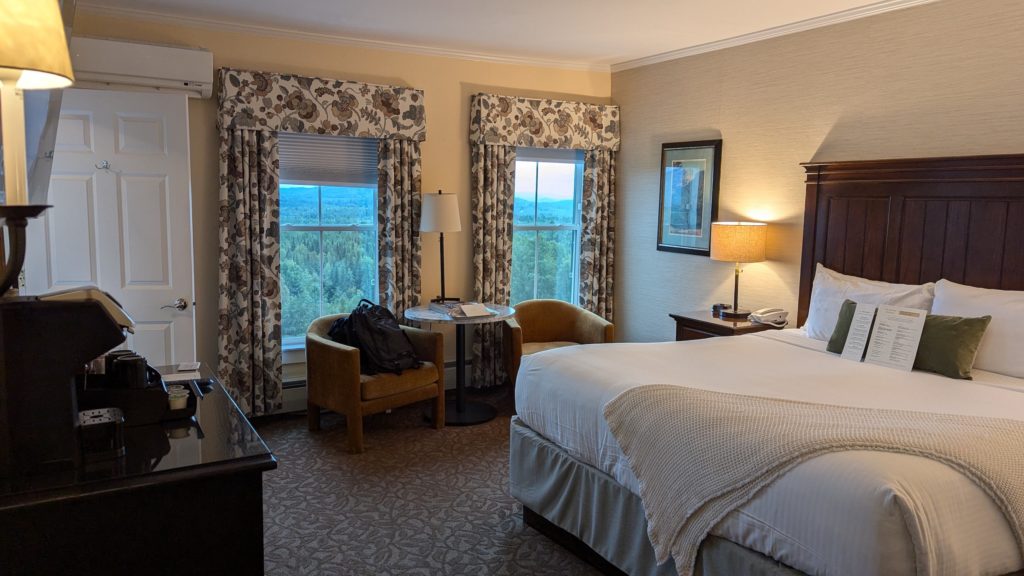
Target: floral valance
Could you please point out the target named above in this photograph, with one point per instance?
(538, 123)
(288, 103)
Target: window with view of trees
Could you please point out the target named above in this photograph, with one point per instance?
(328, 252)
(546, 225)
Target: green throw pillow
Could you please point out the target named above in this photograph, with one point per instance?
(842, 330)
(949, 345)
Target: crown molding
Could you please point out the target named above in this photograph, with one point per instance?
(801, 26)
(289, 33)
(210, 23)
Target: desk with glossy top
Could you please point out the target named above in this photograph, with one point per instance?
(187, 498)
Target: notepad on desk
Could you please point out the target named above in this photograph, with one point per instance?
(472, 310)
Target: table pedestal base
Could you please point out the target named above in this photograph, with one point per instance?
(472, 413)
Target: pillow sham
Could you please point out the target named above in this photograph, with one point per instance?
(831, 289)
(1000, 348)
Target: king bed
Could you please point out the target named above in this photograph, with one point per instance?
(851, 511)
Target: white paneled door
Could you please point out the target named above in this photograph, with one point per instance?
(122, 216)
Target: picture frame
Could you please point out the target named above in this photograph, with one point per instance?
(688, 196)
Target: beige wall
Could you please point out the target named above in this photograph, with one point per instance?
(935, 80)
(447, 83)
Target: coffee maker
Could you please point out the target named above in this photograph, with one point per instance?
(44, 342)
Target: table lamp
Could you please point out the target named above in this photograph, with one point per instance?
(33, 56)
(441, 214)
(738, 242)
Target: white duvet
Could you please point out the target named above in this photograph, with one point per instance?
(838, 514)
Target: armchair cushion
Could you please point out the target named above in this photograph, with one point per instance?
(534, 347)
(387, 384)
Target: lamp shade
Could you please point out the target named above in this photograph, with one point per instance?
(440, 213)
(33, 48)
(738, 241)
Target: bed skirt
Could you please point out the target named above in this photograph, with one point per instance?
(605, 516)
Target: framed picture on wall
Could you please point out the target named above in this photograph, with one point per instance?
(689, 196)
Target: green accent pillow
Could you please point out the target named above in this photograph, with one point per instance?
(949, 345)
(838, 340)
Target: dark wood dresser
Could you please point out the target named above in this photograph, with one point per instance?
(187, 498)
(701, 324)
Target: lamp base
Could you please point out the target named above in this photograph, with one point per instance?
(440, 299)
(738, 314)
(15, 218)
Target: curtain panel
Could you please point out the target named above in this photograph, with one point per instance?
(398, 224)
(498, 124)
(249, 306)
(253, 108)
(493, 185)
(597, 233)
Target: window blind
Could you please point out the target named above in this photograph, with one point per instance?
(320, 159)
(548, 154)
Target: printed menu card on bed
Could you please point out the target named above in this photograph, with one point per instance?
(895, 337)
(860, 332)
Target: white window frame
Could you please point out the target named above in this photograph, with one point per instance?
(555, 156)
(294, 347)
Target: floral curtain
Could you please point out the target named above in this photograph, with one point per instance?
(249, 351)
(597, 237)
(398, 224)
(498, 124)
(253, 107)
(493, 185)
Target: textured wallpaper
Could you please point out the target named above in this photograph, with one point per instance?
(942, 79)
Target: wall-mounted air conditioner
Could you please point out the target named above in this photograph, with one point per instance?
(133, 66)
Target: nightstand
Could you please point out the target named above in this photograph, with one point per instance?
(701, 324)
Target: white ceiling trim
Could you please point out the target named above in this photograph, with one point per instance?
(290, 33)
(803, 25)
(165, 18)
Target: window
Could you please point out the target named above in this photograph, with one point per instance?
(328, 200)
(546, 224)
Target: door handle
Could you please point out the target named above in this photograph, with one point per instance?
(179, 304)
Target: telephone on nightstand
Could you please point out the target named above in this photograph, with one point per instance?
(771, 316)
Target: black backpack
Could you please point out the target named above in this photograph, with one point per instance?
(383, 345)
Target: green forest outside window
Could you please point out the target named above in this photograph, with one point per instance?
(328, 252)
(546, 224)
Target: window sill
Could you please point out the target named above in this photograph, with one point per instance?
(293, 354)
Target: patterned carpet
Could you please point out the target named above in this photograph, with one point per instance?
(419, 501)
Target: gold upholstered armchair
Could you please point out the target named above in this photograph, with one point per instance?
(545, 324)
(333, 379)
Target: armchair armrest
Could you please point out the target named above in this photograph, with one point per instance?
(429, 346)
(332, 372)
(511, 346)
(589, 328)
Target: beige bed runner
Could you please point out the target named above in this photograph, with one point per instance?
(699, 455)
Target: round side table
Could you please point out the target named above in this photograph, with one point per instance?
(460, 412)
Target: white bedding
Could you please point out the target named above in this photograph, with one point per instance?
(843, 513)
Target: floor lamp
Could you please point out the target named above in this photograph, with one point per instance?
(33, 56)
(441, 214)
(738, 242)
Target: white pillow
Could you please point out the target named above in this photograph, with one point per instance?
(1000, 349)
(831, 288)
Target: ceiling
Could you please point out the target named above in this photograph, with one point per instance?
(580, 33)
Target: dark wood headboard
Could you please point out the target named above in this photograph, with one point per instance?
(916, 220)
